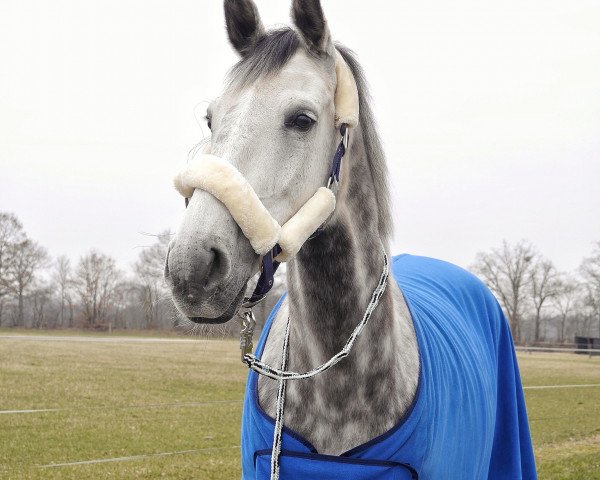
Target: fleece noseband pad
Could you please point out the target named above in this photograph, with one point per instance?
(225, 182)
(222, 180)
(305, 222)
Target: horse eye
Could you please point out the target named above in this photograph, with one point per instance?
(303, 122)
(208, 122)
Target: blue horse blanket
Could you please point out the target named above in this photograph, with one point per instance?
(468, 420)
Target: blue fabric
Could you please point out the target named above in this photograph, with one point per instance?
(468, 420)
(326, 467)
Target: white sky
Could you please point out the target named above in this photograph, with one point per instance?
(490, 113)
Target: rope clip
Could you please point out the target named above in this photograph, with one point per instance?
(247, 324)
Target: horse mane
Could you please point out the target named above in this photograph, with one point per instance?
(373, 146)
(271, 53)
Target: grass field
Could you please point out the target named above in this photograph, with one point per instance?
(177, 406)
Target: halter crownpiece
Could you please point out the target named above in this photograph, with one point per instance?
(346, 94)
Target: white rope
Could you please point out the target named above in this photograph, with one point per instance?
(276, 451)
(281, 374)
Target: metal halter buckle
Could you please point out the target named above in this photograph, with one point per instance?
(247, 324)
(345, 137)
(244, 313)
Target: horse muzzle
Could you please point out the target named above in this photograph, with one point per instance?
(209, 262)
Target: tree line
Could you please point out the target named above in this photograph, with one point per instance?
(37, 291)
(541, 303)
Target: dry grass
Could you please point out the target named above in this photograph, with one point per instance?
(126, 399)
(565, 423)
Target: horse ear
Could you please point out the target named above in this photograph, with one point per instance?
(310, 21)
(243, 24)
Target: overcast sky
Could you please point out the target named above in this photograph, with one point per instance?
(490, 114)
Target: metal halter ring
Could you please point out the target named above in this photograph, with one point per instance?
(345, 135)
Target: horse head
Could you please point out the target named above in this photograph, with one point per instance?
(276, 122)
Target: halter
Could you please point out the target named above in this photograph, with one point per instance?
(277, 243)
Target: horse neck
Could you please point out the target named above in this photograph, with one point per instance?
(331, 280)
(330, 283)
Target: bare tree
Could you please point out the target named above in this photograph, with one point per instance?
(41, 297)
(11, 234)
(506, 271)
(587, 312)
(27, 259)
(543, 282)
(124, 298)
(149, 271)
(565, 302)
(590, 271)
(96, 279)
(63, 278)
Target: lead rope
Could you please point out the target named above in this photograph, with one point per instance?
(283, 375)
(276, 451)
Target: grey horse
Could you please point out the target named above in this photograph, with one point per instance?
(275, 122)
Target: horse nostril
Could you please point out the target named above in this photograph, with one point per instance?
(195, 273)
(217, 268)
(215, 263)
(209, 270)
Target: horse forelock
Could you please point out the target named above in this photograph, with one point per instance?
(269, 55)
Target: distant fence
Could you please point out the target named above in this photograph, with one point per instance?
(587, 345)
(587, 351)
